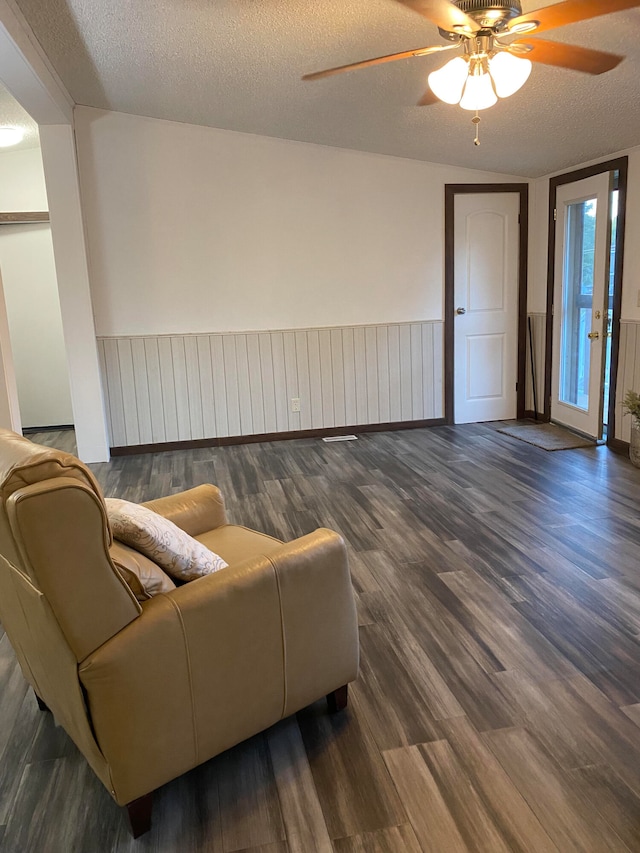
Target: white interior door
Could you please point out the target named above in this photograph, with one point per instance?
(579, 315)
(486, 241)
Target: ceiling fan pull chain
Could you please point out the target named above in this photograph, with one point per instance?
(476, 121)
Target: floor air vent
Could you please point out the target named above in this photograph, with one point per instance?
(341, 438)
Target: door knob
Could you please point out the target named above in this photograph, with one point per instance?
(461, 310)
(593, 336)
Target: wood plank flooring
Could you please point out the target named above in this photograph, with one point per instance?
(498, 705)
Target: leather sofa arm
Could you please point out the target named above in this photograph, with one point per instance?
(221, 658)
(195, 510)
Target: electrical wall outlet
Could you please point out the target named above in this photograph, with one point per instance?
(295, 404)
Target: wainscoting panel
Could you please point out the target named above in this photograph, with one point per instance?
(539, 334)
(186, 387)
(628, 374)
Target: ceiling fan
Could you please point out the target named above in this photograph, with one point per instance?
(487, 67)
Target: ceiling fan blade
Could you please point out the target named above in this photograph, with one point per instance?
(570, 12)
(420, 51)
(428, 99)
(444, 14)
(569, 56)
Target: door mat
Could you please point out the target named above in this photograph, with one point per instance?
(548, 436)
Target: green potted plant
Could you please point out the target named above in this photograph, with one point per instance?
(632, 405)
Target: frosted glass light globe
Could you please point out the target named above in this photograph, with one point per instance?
(509, 73)
(478, 93)
(448, 82)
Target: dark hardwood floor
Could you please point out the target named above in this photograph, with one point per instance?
(498, 705)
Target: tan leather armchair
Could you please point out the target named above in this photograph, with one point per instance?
(148, 690)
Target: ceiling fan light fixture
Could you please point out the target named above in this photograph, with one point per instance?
(478, 92)
(10, 136)
(447, 83)
(509, 73)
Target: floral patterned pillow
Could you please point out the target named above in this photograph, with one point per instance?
(159, 539)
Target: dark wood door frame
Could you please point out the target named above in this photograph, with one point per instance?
(450, 192)
(620, 165)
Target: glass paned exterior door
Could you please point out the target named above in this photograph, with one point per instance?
(580, 303)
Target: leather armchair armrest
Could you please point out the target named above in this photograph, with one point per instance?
(320, 625)
(285, 625)
(195, 510)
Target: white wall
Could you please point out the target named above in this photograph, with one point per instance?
(538, 241)
(63, 191)
(31, 296)
(35, 325)
(192, 229)
(9, 406)
(22, 180)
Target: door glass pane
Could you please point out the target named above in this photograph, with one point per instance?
(577, 303)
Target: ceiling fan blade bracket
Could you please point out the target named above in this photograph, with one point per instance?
(517, 48)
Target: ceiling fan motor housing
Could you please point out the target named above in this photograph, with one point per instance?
(489, 14)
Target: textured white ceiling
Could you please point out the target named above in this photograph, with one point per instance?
(237, 64)
(12, 115)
